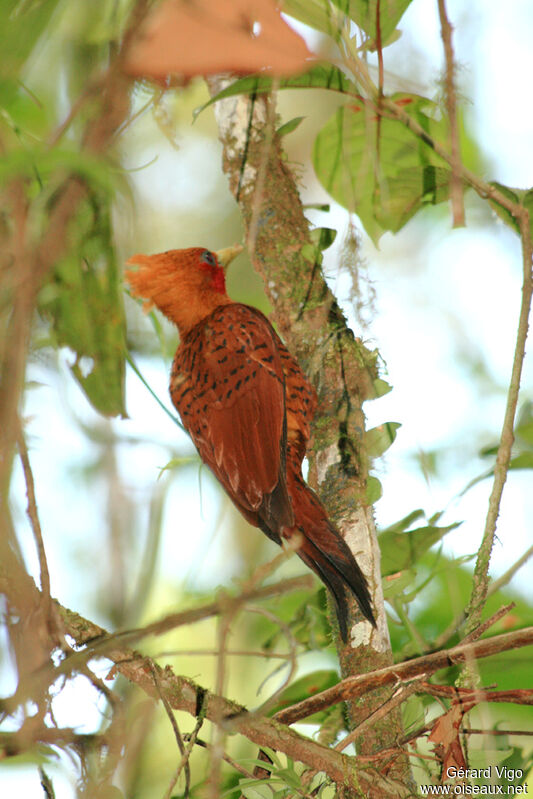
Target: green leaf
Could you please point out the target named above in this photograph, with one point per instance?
(83, 300)
(488, 451)
(365, 14)
(289, 126)
(395, 584)
(322, 76)
(38, 755)
(177, 463)
(413, 713)
(379, 439)
(374, 490)
(323, 237)
(303, 688)
(402, 550)
(21, 110)
(51, 164)
(256, 789)
(487, 757)
(381, 387)
(23, 23)
(522, 461)
(317, 207)
(406, 522)
(304, 612)
(525, 432)
(525, 415)
(318, 14)
(377, 168)
(371, 45)
(520, 196)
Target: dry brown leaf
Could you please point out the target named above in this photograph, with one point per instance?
(205, 37)
(445, 736)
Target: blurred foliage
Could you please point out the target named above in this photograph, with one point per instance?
(52, 55)
(522, 457)
(82, 296)
(83, 300)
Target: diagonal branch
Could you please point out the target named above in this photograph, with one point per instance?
(182, 693)
(410, 669)
(99, 643)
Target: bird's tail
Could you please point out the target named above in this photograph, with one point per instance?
(325, 551)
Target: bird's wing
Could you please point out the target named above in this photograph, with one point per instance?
(228, 386)
(301, 401)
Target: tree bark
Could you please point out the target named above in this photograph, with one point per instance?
(338, 364)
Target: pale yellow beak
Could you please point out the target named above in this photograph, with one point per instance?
(226, 256)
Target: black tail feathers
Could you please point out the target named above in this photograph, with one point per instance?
(339, 572)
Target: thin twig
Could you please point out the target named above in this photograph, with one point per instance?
(379, 48)
(93, 88)
(470, 731)
(230, 652)
(479, 631)
(260, 772)
(33, 516)
(145, 383)
(460, 619)
(184, 762)
(293, 663)
(221, 605)
(501, 467)
(177, 735)
(259, 575)
(518, 696)
(219, 734)
(264, 570)
(46, 784)
(456, 184)
(401, 694)
(507, 576)
(229, 760)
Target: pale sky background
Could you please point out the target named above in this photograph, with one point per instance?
(470, 276)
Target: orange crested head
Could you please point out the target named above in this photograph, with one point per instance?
(186, 285)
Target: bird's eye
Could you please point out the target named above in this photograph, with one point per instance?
(208, 258)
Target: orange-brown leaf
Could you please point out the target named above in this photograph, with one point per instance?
(445, 736)
(202, 37)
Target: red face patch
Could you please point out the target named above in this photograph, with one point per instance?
(208, 263)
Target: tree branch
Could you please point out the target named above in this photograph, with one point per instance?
(456, 187)
(33, 516)
(182, 693)
(98, 643)
(408, 670)
(503, 457)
